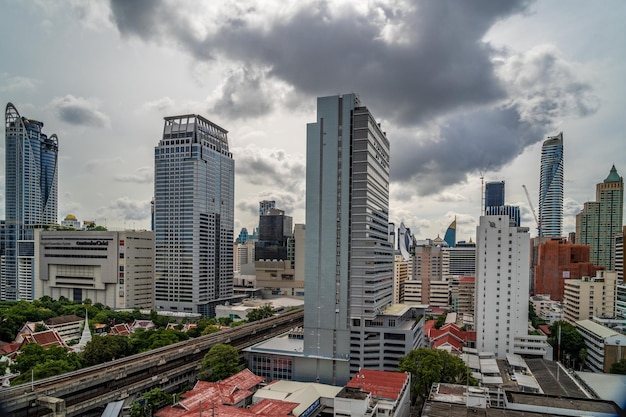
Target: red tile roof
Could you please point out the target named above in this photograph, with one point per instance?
(214, 410)
(56, 321)
(45, 339)
(449, 340)
(122, 329)
(381, 384)
(467, 279)
(231, 391)
(8, 348)
(545, 329)
(273, 407)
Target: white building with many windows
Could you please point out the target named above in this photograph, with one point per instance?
(502, 279)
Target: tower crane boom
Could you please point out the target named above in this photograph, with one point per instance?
(530, 203)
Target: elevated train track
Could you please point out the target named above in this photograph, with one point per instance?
(167, 368)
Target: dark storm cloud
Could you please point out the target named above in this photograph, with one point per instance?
(421, 65)
(79, 111)
(272, 168)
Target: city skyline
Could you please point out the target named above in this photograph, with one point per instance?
(107, 101)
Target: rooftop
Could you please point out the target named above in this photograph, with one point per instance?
(381, 384)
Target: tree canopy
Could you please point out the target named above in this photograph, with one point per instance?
(571, 340)
(429, 366)
(618, 367)
(260, 313)
(220, 362)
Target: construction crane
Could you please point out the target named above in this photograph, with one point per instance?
(530, 203)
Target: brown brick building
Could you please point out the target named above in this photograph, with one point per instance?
(557, 260)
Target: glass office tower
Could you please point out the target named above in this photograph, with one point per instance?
(551, 187)
(30, 199)
(194, 216)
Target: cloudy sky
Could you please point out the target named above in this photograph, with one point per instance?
(464, 90)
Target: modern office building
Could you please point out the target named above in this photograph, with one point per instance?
(112, 268)
(494, 194)
(506, 210)
(590, 296)
(275, 228)
(601, 220)
(450, 236)
(194, 216)
(349, 260)
(265, 205)
(551, 187)
(31, 175)
(557, 260)
(502, 277)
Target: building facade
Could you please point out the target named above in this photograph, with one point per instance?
(31, 175)
(590, 296)
(194, 216)
(601, 220)
(604, 346)
(275, 228)
(502, 277)
(494, 194)
(459, 260)
(349, 259)
(556, 261)
(112, 268)
(551, 187)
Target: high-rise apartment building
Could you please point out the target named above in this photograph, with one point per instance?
(30, 199)
(601, 220)
(551, 187)
(494, 194)
(194, 216)
(590, 296)
(458, 261)
(502, 275)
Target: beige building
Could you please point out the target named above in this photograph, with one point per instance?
(590, 296)
(400, 276)
(112, 268)
(604, 346)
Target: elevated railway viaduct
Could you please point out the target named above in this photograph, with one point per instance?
(86, 391)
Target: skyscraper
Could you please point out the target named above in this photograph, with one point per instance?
(194, 216)
(349, 259)
(551, 187)
(494, 194)
(450, 236)
(601, 221)
(30, 199)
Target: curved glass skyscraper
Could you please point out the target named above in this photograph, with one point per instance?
(30, 200)
(551, 187)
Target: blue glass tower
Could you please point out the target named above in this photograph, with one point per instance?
(494, 194)
(450, 236)
(551, 187)
(194, 199)
(30, 200)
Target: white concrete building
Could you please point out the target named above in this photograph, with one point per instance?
(502, 282)
(604, 345)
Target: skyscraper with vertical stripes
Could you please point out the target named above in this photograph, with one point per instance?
(551, 187)
(31, 174)
(194, 198)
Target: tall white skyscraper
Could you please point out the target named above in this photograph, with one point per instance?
(194, 216)
(551, 187)
(31, 174)
(502, 283)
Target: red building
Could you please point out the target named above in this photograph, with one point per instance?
(555, 261)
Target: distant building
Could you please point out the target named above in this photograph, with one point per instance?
(243, 236)
(459, 260)
(427, 265)
(31, 188)
(619, 254)
(511, 211)
(275, 228)
(194, 205)
(551, 187)
(494, 194)
(556, 261)
(71, 221)
(266, 205)
(601, 220)
(400, 276)
(590, 296)
(112, 268)
(450, 236)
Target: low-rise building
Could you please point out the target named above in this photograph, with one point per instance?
(604, 345)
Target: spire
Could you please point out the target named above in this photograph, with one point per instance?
(85, 337)
(613, 175)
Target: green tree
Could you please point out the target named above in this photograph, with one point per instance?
(441, 320)
(618, 367)
(571, 340)
(150, 402)
(429, 366)
(221, 361)
(37, 362)
(106, 348)
(260, 313)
